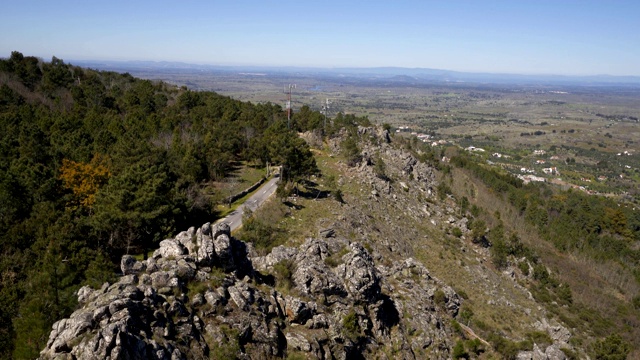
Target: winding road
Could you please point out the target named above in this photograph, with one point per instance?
(234, 219)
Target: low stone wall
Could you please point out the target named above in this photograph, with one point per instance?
(244, 192)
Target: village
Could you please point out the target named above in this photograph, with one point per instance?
(542, 168)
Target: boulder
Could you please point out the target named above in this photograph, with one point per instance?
(129, 265)
(359, 274)
(84, 294)
(221, 228)
(553, 352)
(188, 240)
(326, 233)
(206, 253)
(297, 311)
(297, 342)
(169, 248)
(224, 251)
(277, 254)
(242, 295)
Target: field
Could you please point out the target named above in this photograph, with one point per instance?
(589, 134)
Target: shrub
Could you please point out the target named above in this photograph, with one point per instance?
(296, 356)
(337, 194)
(611, 348)
(570, 354)
(524, 267)
(457, 328)
(456, 232)
(459, 352)
(228, 348)
(351, 326)
(540, 337)
(443, 190)
(475, 346)
(466, 313)
(507, 348)
(284, 272)
(440, 298)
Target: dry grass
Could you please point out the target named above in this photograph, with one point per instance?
(604, 287)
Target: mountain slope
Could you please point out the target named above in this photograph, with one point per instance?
(370, 278)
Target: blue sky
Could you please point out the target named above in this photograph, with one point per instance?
(527, 37)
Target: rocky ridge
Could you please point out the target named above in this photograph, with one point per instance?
(354, 290)
(401, 214)
(204, 294)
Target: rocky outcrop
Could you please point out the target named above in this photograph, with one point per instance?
(203, 295)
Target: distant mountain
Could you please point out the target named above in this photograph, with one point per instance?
(396, 74)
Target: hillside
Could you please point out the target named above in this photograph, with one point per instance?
(373, 248)
(95, 165)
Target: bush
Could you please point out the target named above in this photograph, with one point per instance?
(611, 348)
(350, 150)
(229, 347)
(524, 267)
(337, 194)
(284, 272)
(466, 313)
(459, 352)
(351, 326)
(440, 298)
(505, 347)
(443, 190)
(475, 346)
(456, 232)
(296, 356)
(570, 354)
(540, 337)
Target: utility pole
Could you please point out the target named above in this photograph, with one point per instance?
(291, 86)
(325, 110)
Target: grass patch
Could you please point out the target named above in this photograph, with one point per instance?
(283, 272)
(336, 259)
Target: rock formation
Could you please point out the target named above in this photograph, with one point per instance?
(205, 294)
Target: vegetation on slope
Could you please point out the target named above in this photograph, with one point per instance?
(581, 250)
(97, 164)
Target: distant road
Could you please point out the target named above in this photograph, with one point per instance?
(234, 219)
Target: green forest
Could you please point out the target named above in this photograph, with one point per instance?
(97, 164)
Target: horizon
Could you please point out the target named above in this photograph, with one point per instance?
(334, 68)
(547, 38)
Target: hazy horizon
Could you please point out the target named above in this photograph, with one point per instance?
(570, 38)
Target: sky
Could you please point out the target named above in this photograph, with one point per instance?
(516, 36)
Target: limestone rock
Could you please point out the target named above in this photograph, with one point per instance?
(297, 342)
(187, 239)
(206, 250)
(359, 274)
(169, 248)
(297, 311)
(553, 352)
(224, 252)
(327, 233)
(129, 265)
(312, 275)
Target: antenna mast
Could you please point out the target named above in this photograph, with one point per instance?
(291, 86)
(325, 110)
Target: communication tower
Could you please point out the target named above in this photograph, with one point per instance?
(325, 110)
(288, 92)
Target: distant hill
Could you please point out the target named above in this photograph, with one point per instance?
(419, 75)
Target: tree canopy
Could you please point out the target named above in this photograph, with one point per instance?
(96, 164)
